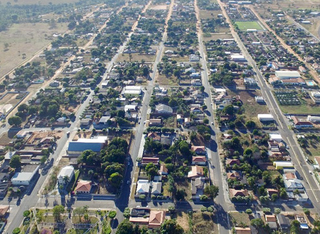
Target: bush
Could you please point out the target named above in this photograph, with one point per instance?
(171, 209)
(210, 209)
(126, 212)
(142, 197)
(203, 209)
(26, 213)
(16, 231)
(248, 211)
(153, 197)
(203, 198)
(277, 210)
(112, 214)
(266, 210)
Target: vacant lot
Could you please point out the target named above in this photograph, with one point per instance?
(203, 223)
(22, 41)
(136, 57)
(239, 219)
(243, 26)
(216, 36)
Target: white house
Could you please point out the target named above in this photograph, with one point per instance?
(66, 172)
(143, 186)
(24, 177)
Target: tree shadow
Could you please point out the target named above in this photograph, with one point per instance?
(222, 216)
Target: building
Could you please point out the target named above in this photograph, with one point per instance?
(199, 160)
(156, 218)
(143, 187)
(156, 188)
(238, 192)
(194, 58)
(315, 97)
(200, 150)
(132, 90)
(242, 230)
(301, 124)
(238, 58)
(66, 172)
(287, 74)
(313, 119)
(25, 176)
(155, 122)
(283, 222)
(163, 109)
(82, 144)
(4, 210)
(271, 221)
(275, 137)
(197, 187)
(279, 165)
(265, 117)
(83, 186)
(153, 160)
(302, 221)
(196, 171)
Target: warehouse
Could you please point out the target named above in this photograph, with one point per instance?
(282, 75)
(94, 144)
(265, 117)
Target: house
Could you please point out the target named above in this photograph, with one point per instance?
(194, 58)
(146, 160)
(156, 218)
(199, 160)
(275, 137)
(243, 230)
(265, 117)
(132, 90)
(302, 221)
(271, 191)
(82, 144)
(197, 187)
(313, 119)
(238, 192)
(234, 175)
(155, 122)
(156, 188)
(25, 177)
(196, 82)
(271, 221)
(163, 170)
(301, 124)
(104, 120)
(231, 162)
(66, 175)
(196, 171)
(292, 185)
(200, 150)
(166, 139)
(154, 136)
(4, 210)
(238, 58)
(143, 187)
(83, 186)
(163, 109)
(283, 222)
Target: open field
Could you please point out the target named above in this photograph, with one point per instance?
(23, 41)
(300, 109)
(313, 27)
(43, 2)
(163, 80)
(158, 7)
(243, 26)
(238, 218)
(216, 36)
(183, 220)
(136, 57)
(203, 223)
(252, 108)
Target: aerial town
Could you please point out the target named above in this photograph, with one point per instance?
(159, 117)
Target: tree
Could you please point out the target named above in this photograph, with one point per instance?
(115, 180)
(171, 209)
(212, 191)
(306, 211)
(170, 226)
(277, 210)
(126, 212)
(250, 124)
(15, 161)
(257, 222)
(57, 211)
(112, 214)
(229, 110)
(125, 227)
(295, 227)
(15, 121)
(26, 213)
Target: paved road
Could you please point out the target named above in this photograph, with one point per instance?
(215, 167)
(288, 136)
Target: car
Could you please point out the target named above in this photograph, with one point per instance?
(310, 172)
(212, 123)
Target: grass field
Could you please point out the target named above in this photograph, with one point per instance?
(23, 39)
(238, 218)
(136, 57)
(243, 26)
(300, 109)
